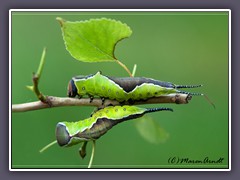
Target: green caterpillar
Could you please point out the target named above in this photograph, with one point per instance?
(71, 133)
(123, 89)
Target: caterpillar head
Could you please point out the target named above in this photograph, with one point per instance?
(62, 135)
(72, 90)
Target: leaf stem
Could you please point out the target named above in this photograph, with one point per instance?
(124, 67)
(47, 146)
(92, 155)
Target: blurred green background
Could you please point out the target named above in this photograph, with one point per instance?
(179, 47)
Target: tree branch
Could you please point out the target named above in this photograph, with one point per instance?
(65, 101)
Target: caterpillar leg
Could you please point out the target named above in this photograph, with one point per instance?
(131, 101)
(82, 150)
(79, 97)
(103, 100)
(91, 98)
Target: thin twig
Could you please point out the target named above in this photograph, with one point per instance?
(65, 101)
(134, 70)
(47, 146)
(36, 78)
(42, 62)
(92, 155)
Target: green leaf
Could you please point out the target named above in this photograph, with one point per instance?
(93, 40)
(150, 130)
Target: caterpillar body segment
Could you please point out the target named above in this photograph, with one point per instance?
(92, 128)
(123, 88)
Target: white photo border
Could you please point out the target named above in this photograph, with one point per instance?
(122, 10)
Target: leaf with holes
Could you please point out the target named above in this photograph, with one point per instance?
(93, 40)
